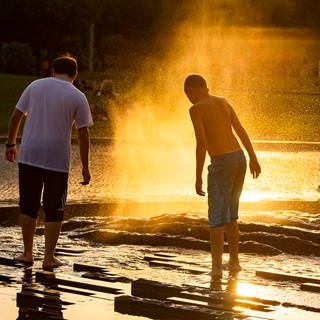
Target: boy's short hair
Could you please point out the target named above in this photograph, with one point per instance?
(195, 81)
(65, 65)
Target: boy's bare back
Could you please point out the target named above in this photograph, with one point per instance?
(214, 117)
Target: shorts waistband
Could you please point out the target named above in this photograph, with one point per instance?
(226, 155)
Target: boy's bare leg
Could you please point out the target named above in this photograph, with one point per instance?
(217, 245)
(51, 233)
(232, 231)
(28, 227)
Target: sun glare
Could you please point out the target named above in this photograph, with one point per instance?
(251, 196)
(246, 289)
(151, 134)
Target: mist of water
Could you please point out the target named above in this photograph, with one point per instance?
(154, 141)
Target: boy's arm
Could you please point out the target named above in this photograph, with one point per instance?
(200, 149)
(84, 145)
(14, 125)
(242, 134)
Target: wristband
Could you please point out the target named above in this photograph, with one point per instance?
(10, 145)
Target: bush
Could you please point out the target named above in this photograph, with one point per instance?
(16, 57)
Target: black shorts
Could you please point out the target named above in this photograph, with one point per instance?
(32, 180)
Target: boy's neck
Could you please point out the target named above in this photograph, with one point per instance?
(205, 95)
(62, 76)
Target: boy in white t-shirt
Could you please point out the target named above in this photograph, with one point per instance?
(51, 107)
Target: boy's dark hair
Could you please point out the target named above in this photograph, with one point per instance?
(195, 81)
(65, 65)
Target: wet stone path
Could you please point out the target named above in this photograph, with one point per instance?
(93, 291)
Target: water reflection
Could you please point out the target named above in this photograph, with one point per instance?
(245, 289)
(124, 174)
(35, 302)
(223, 296)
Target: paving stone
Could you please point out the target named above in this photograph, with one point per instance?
(310, 287)
(50, 278)
(166, 310)
(12, 263)
(105, 277)
(175, 265)
(86, 267)
(286, 277)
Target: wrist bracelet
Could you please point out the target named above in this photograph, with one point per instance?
(10, 145)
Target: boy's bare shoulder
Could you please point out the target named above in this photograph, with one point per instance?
(219, 99)
(193, 109)
(209, 101)
(196, 109)
(201, 107)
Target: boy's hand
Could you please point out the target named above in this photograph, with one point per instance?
(11, 154)
(255, 168)
(199, 190)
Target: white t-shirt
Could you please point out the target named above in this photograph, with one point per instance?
(51, 106)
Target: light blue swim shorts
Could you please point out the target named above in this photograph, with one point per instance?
(225, 181)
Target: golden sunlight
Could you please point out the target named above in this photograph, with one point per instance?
(154, 136)
(251, 196)
(246, 289)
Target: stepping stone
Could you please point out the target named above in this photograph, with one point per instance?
(177, 310)
(12, 263)
(105, 277)
(158, 309)
(31, 299)
(152, 258)
(51, 279)
(6, 278)
(286, 277)
(173, 265)
(70, 250)
(310, 287)
(226, 301)
(165, 255)
(58, 292)
(90, 268)
(41, 290)
(66, 254)
(201, 290)
(30, 313)
(167, 264)
(155, 290)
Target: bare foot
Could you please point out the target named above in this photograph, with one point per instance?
(216, 274)
(52, 263)
(234, 268)
(225, 266)
(216, 281)
(216, 285)
(28, 260)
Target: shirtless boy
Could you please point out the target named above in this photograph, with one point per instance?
(213, 120)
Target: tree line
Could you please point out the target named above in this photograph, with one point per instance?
(38, 30)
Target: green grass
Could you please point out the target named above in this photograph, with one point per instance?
(11, 86)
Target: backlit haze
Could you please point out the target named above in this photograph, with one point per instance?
(154, 140)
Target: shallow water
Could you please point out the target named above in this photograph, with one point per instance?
(139, 174)
(128, 260)
(173, 220)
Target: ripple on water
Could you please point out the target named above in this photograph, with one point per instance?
(118, 175)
